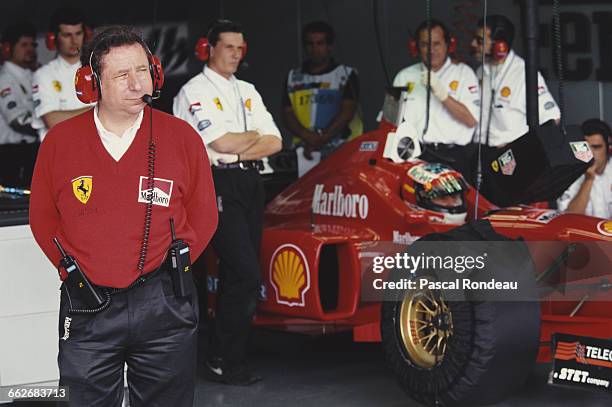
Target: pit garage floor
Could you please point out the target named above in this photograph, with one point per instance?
(333, 371)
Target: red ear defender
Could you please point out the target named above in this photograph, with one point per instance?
(50, 41)
(244, 50)
(5, 51)
(201, 49)
(413, 48)
(86, 85)
(452, 45)
(500, 49)
(157, 72)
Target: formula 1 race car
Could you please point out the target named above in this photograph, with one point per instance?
(320, 232)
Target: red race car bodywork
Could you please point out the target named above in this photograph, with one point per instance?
(317, 230)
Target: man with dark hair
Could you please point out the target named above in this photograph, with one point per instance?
(503, 81)
(591, 194)
(453, 108)
(97, 176)
(238, 132)
(16, 104)
(53, 85)
(320, 98)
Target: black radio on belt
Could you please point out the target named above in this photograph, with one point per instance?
(77, 281)
(180, 265)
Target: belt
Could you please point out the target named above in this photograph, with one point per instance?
(140, 280)
(243, 165)
(440, 146)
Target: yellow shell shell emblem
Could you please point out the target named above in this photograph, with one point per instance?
(289, 275)
(454, 85)
(505, 92)
(82, 187)
(57, 86)
(218, 103)
(247, 104)
(409, 87)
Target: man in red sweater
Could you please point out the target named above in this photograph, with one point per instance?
(95, 178)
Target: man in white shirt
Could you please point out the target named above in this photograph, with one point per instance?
(238, 132)
(591, 194)
(55, 99)
(16, 104)
(454, 101)
(503, 84)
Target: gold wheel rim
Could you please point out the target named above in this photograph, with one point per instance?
(426, 326)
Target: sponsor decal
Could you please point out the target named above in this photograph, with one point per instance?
(453, 85)
(425, 174)
(67, 322)
(289, 275)
(505, 92)
(218, 103)
(582, 362)
(11, 105)
(477, 102)
(161, 193)
(403, 238)
(546, 216)
(409, 87)
(473, 89)
(5, 92)
(57, 86)
(82, 188)
(195, 107)
(495, 166)
(220, 203)
(368, 146)
(507, 163)
(35, 89)
(582, 151)
(549, 105)
(337, 203)
(204, 124)
(36, 102)
(541, 90)
(247, 104)
(605, 227)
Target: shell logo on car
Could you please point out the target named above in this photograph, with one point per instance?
(289, 275)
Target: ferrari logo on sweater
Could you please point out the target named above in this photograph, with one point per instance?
(82, 187)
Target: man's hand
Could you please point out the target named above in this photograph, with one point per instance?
(437, 87)
(312, 138)
(590, 172)
(221, 158)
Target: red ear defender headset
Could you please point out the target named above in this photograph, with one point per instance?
(5, 51)
(413, 46)
(499, 49)
(202, 47)
(87, 81)
(51, 38)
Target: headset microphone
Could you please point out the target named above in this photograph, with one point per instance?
(244, 65)
(148, 99)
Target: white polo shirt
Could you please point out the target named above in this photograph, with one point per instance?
(462, 85)
(600, 199)
(15, 102)
(53, 90)
(214, 106)
(509, 112)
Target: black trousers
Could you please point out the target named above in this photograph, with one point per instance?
(457, 157)
(240, 201)
(146, 327)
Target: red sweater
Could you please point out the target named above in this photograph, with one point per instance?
(105, 233)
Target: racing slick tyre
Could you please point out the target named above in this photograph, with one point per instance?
(478, 353)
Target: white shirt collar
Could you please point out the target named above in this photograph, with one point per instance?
(66, 65)
(217, 78)
(22, 74)
(115, 145)
(503, 67)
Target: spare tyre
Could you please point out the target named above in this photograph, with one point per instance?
(454, 353)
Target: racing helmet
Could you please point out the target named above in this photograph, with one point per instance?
(437, 188)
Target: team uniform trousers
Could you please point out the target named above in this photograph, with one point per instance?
(240, 201)
(148, 328)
